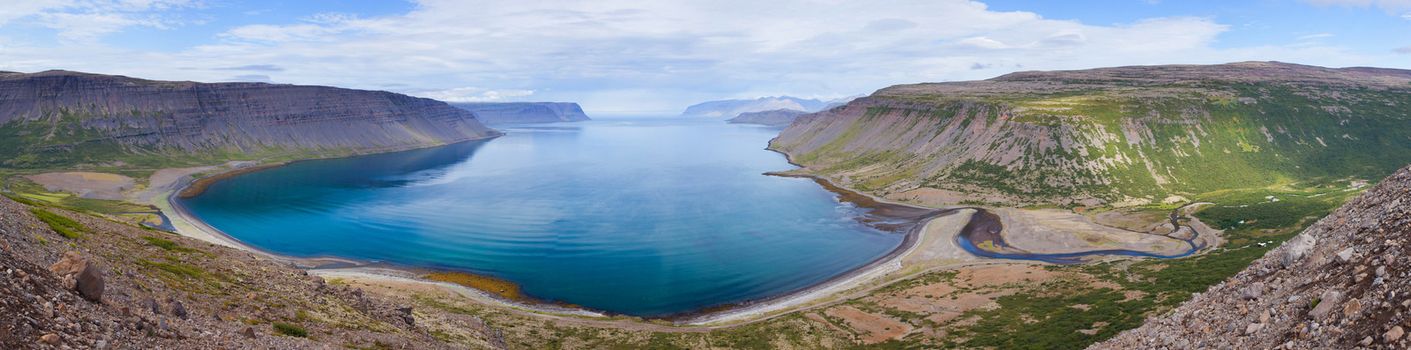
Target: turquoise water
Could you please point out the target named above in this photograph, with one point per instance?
(647, 217)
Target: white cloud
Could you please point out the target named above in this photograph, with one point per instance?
(86, 20)
(473, 94)
(1315, 36)
(621, 55)
(1387, 5)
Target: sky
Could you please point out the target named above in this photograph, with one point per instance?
(657, 57)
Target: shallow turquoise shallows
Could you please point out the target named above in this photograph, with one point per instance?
(649, 217)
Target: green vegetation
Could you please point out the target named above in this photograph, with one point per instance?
(289, 329)
(1050, 320)
(166, 245)
(1113, 143)
(60, 224)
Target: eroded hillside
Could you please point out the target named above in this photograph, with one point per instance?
(1113, 136)
(67, 119)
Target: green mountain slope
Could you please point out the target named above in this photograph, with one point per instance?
(1113, 136)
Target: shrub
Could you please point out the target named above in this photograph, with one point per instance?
(290, 330)
(60, 224)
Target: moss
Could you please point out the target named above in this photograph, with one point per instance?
(289, 329)
(60, 224)
(166, 244)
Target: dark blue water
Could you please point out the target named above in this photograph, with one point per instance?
(645, 217)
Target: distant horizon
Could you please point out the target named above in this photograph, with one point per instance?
(657, 57)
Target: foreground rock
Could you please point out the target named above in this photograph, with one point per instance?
(119, 286)
(1341, 284)
(76, 273)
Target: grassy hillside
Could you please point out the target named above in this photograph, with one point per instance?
(1101, 137)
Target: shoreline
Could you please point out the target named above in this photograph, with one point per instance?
(740, 312)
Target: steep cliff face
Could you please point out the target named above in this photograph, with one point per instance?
(778, 117)
(525, 112)
(1341, 284)
(59, 118)
(1114, 136)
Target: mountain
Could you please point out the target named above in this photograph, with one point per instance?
(1112, 136)
(61, 118)
(778, 117)
(729, 108)
(1341, 284)
(525, 112)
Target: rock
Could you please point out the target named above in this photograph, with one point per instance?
(1365, 341)
(51, 339)
(1326, 303)
(249, 332)
(78, 274)
(1381, 271)
(1252, 291)
(177, 309)
(1345, 255)
(1253, 327)
(1352, 308)
(151, 305)
(1264, 317)
(1394, 334)
(90, 284)
(1297, 248)
(406, 314)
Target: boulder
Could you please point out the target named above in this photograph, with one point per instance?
(78, 274)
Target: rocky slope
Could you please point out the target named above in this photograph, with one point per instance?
(728, 108)
(61, 118)
(525, 112)
(1341, 284)
(102, 284)
(1112, 136)
(778, 117)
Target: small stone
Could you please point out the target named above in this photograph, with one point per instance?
(177, 309)
(1326, 303)
(1352, 308)
(1394, 334)
(1345, 255)
(1253, 327)
(249, 332)
(1252, 291)
(151, 305)
(1365, 341)
(51, 339)
(1381, 271)
(1264, 317)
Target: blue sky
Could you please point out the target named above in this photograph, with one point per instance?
(618, 57)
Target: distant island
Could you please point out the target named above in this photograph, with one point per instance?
(731, 108)
(524, 112)
(778, 117)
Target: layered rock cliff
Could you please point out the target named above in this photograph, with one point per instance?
(1113, 136)
(59, 118)
(1341, 284)
(525, 112)
(778, 117)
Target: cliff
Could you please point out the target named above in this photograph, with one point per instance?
(525, 112)
(60, 118)
(1341, 284)
(1112, 136)
(778, 117)
(727, 108)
